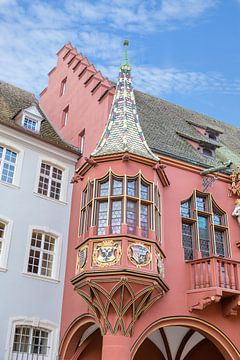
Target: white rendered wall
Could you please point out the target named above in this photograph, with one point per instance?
(21, 295)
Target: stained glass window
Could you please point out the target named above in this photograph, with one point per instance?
(219, 240)
(117, 187)
(103, 191)
(186, 209)
(144, 191)
(144, 220)
(116, 216)
(204, 236)
(187, 239)
(102, 217)
(131, 216)
(201, 203)
(131, 187)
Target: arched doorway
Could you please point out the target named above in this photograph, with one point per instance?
(183, 338)
(177, 343)
(82, 340)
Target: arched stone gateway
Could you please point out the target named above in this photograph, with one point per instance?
(183, 338)
(175, 338)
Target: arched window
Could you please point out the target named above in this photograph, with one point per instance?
(116, 200)
(204, 227)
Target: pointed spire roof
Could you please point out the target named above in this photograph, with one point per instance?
(123, 132)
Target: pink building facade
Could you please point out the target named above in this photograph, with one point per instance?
(153, 265)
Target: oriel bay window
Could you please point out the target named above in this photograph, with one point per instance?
(117, 200)
(204, 227)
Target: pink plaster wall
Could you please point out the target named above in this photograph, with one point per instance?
(87, 112)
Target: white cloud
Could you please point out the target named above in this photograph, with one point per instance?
(161, 82)
(32, 32)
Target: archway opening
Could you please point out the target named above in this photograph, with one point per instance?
(177, 343)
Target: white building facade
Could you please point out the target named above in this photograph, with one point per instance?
(35, 200)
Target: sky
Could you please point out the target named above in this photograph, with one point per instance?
(183, 51)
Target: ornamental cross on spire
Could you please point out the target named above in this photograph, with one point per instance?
(123, 132)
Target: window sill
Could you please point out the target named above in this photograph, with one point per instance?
(41, 277)
(12, 186)
(3, 269)
(50, 199)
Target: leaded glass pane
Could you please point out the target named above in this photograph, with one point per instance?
(201, 203)
(131, 187)
(204, 236)
(117, 186)
(144, 220)
(186, 209)
(217, 219)
(219, 240)
(144, 191)
(131, 216)
(103, 188)
(116, 217)
(102, 217)
(187, 240)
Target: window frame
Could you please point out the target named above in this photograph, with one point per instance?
(47, 325)
(65, 178)
(109, 197)
(55, 277)
(6, 242)
(208, 213)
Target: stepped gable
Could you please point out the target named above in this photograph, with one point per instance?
(13, 100)
(123, 132)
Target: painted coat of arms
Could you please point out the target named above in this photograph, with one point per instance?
(139, 254)
(81, 258)
(107, 253)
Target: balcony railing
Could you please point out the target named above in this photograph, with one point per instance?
(213, 271)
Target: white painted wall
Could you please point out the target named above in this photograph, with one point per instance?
(22, 296)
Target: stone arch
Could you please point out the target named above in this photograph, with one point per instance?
(218, 338)
(72, 335)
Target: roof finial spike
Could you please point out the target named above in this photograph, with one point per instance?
(125, 54)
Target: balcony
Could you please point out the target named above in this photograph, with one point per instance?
(214, 280)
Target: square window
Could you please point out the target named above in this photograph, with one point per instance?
(50, 181)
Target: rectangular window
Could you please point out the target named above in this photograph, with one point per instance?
(30, 340)
(30, 124)
(82, 141)
(102, 217)
(220, 243)
(50, 181)
(201, 203)
(187, 239)
(144, 220)
(116, 216)
(117, 187)
(41, 255)
(8, 160)
(2, 236)
(103, 188)
(186, 209)
(131, 213)
(63, 86)
(204, 236)
(131, 187)
(65, 116)
(144, 191)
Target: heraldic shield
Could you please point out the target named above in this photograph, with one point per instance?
(107, 253)
(139, 254)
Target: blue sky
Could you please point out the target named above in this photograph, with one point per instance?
(184, 51)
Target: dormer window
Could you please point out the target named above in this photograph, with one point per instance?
(212, 135)
(30, 119)
(29, 124)
(208, 152)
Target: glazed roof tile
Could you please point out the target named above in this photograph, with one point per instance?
(123, 132)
